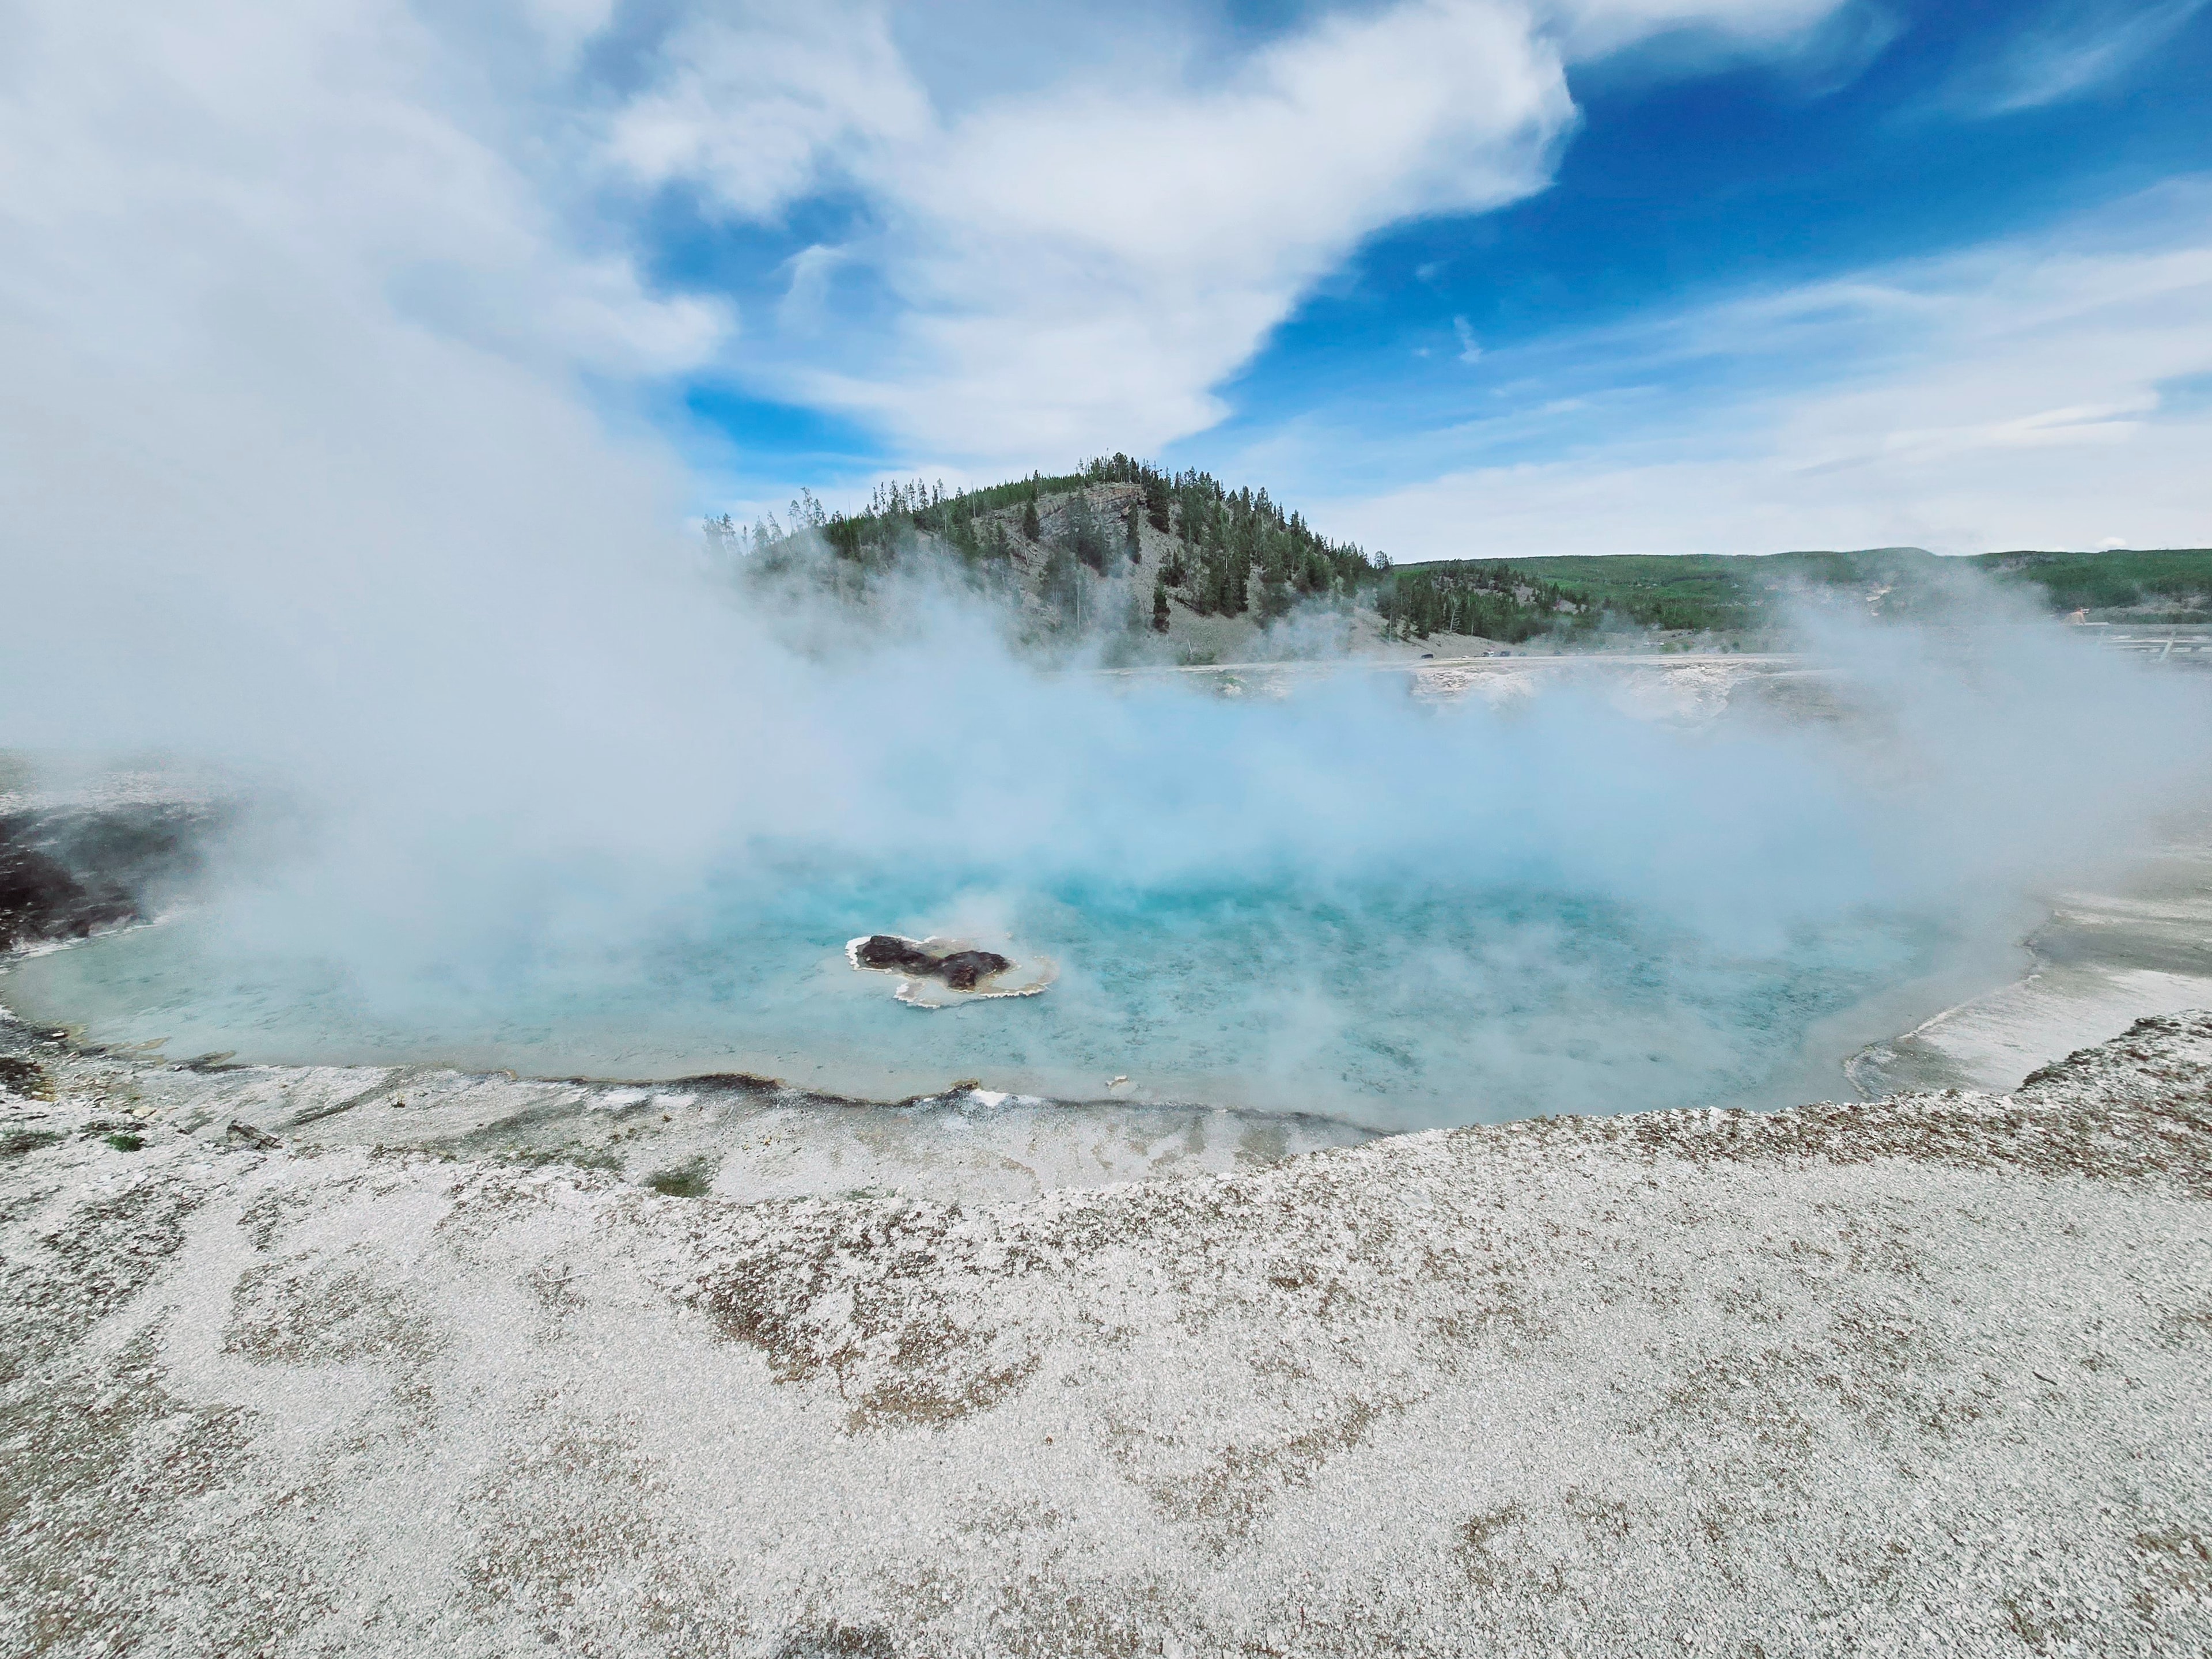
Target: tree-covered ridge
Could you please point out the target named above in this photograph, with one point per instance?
(1217, 552)
(1714, 593)
(1162, 549)
(898, 518)
(1491, 601)
(2169, 585)
(1724, 594)
(1237, 549)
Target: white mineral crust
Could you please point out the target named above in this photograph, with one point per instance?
(1923, 1374)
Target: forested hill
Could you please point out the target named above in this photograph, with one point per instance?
(1716, 594)
(1178, 566)
(2165, 584)
(1117, 547)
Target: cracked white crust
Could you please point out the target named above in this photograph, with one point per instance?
(1821, 1381)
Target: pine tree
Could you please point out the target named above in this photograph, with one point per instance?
(1062, 585)
(1029, 519)
(1136, 547)
(1083, 532)
(1160, 606)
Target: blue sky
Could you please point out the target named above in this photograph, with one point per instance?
(1682, 186)
(1671, 233)
(1459, 277)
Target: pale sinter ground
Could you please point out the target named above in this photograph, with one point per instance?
(1913, 1375)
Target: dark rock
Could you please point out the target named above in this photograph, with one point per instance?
(892, 954)
(39, 899)
(747, 1083)
(24, 1077)
(963, 970)
(68, 873)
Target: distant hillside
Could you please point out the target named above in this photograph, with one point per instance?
(2167, 585)
(1152, 564)
(1716, 594)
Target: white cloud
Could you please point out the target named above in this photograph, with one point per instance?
(1079, 264)
(2007, 397)
(763, 108)
(167, 160)
(1072, 261)
(1593, 27)
(2071, 50)
(1470, 351)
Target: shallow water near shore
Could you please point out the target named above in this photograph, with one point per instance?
(1563, 909)
(1378, 1006)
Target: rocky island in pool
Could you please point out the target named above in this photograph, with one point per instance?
(964, 969)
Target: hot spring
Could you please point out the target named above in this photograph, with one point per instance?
(1388, 1008)
(1345, 904)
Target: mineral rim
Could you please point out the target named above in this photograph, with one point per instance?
(1840, 1379)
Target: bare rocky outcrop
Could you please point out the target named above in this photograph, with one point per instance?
(66, 872)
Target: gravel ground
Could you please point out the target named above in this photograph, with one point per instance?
(1914, 1375)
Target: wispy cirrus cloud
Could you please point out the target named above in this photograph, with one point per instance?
(2071, 49)
(2027, 392)
(1592, 28)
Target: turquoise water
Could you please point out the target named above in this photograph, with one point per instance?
(1387, 1002)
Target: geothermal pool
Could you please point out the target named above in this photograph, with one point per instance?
(1390, 1005)
(1346, 904)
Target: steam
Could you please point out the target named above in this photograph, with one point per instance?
(442, 607)
(529, 740)
(573, 784)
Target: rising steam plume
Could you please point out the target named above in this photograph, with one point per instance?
(260, 513)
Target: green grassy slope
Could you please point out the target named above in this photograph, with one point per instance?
(1715, 593)
(2170, 581)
